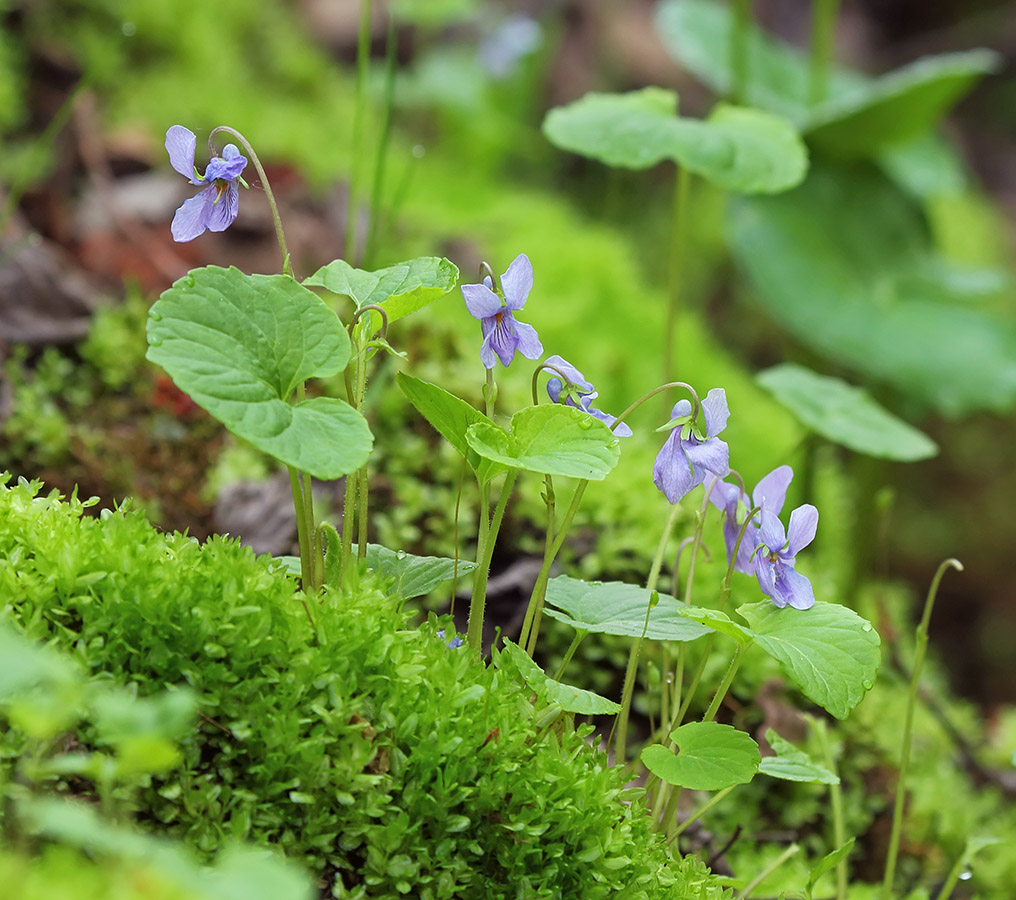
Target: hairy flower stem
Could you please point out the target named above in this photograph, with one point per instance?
(675, 274)
(823, 29)
(767, 871)
(739, 50)
(287, 265)
(474, 633)
(836, 801)
(621, 723)
(728, 679)
(921, 647)
(359, 110)
(534, 612)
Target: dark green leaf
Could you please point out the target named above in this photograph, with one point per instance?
(829, 651)
(845, 414)
(710, 757)
(550, 440)
(865, 293)
(739, 149)
(240, 344)
(613, 607)
(570, 699)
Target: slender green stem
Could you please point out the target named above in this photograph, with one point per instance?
(728, 679)
(374, 223)
(739, 50)
(697, 542)
(670, 796)
(836, 801)
(767, 871)
(621, 724)
(306, 572)
(534, 612)
(675, 274)
(474, 634)
(287, 265)
(570, 652)
(356, 169)
(701, 811)
(361, 475)
(921, 646)
(823, 29)
(489, 395)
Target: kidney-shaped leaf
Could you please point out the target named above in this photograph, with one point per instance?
(240, 344)
(710, 757)
(570, 699)
(414, 575)
(845, 414)
(860, 293)
(613, 607)
(549, 440)
(400, 289)
(829, 651)
(792, 764)
(743, 150)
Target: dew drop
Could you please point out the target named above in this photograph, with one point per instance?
(155, 342)
(866, 626)
(129, 29)
(400, 554)
(585, 424)
(966, 875)
(613, 445)
(152, 314)
(867, 684)
(670, 679)
(189, 281)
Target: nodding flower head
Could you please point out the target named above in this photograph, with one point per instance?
(503, 334)
(770, 494)
(216, 206)
(775, 556)
(689, 453)
(579, 393)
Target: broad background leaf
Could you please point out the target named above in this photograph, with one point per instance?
(872, 294)
(240, 344)
(829, 651)
(549, 440)
(845, 414)
(792, 764)
(745, 150)
(570, 699)
(400, 289)
(414, 575)
(711, 757)
(613, 607)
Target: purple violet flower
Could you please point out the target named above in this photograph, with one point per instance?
(503, 334)
(688, 455)
(216, 206)
(579, 394)
(775, 556)
(770, 494)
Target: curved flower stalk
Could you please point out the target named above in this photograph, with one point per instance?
(770, 494)
(775, 556)
(689, 454)
(578, 392)
(215, 208)
(503, 334)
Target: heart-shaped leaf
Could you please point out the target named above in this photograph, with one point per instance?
(829, 651)
(792, 764)
(414, 576)
(400, 289)
(865, 294)
(844, 414)
(613, 607)
(451, 418)
(240, 344)
(570, 699)
(549, 440)
(710, 757)
(739, 149)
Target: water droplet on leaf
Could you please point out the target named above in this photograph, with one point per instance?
(155, 342)
(866, 626)
(867, 684)
(585, 424)
(152, 314)
(400, 554)
(966, 875)
(613, 445)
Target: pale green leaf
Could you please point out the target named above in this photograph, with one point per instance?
(792, 764)
(570, 699)
(710, 757)
(828, 651)
(829, 862)
(240, 344)
(613, 607)
(414, 576)
(719, 621)
(551, 440)
(739, 149)
(845, 414)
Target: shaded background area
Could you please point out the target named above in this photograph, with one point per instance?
(87, 91)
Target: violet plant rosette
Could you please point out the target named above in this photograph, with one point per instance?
(215, 208)
(688, 454)
(503, 334)
(579, 393)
